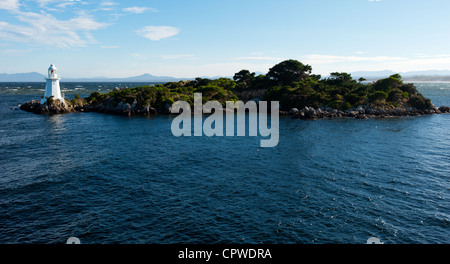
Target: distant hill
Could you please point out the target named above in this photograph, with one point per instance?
(22, 77)
(429, 78)
(371, 74)
(37, 77)
(430, 72)
(425, 76)
(151, 78)
(430, 75)
(141, 78)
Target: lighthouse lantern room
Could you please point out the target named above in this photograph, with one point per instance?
(52, 86)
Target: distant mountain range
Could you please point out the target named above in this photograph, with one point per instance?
(432, 75)
(141, 78)
(37, 77)
(22, 77)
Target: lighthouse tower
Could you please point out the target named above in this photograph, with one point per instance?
(52, 86)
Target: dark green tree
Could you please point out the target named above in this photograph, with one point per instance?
(378, 97)
(244, 79)
(396, 76)
(289, 71)
(395, 95)
(244, 76)
(339, 78)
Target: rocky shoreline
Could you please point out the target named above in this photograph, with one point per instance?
(108, 107)
(307, 113)
(361, 112)
(54, 107)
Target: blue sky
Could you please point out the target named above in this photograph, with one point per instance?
(207, 37)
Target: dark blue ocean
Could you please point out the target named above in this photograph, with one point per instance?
(111, 179)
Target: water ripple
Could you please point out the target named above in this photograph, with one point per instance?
(111, 179)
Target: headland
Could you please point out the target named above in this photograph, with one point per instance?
(301, 94)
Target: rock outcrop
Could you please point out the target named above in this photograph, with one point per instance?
(49, 107)
(122, 108)
(307, 113)
(363, 112)
(444, 109)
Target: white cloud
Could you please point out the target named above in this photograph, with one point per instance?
(180, 70)
(55, 4)
(139, 10)
(108, 3)
(191, 69)
(325, 64)
(433, 62)
(44, 29)
(156, 33)
(11, 5)
(65, 4)
(107, 6)
(83, 22)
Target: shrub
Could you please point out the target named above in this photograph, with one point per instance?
(395, 95)
(409, 88)
(352, 98)
(419, 102)
(378, 96)
(220, 95)
(346, 106)
(336, 102)
(387, 84)
(94, 97)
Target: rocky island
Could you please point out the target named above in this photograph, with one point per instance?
(301, 94)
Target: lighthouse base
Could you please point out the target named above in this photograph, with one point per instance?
(52, 90)
(51, 106)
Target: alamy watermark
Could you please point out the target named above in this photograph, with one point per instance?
(73, 240)
(213, 124)
(374, 240)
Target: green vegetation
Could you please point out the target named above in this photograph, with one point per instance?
(289, 82)
(341, 92)
(289, 71)
(161, 94)
(77, 101)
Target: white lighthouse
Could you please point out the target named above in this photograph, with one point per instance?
(52, 86)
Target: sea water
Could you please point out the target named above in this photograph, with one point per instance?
(113, 179)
